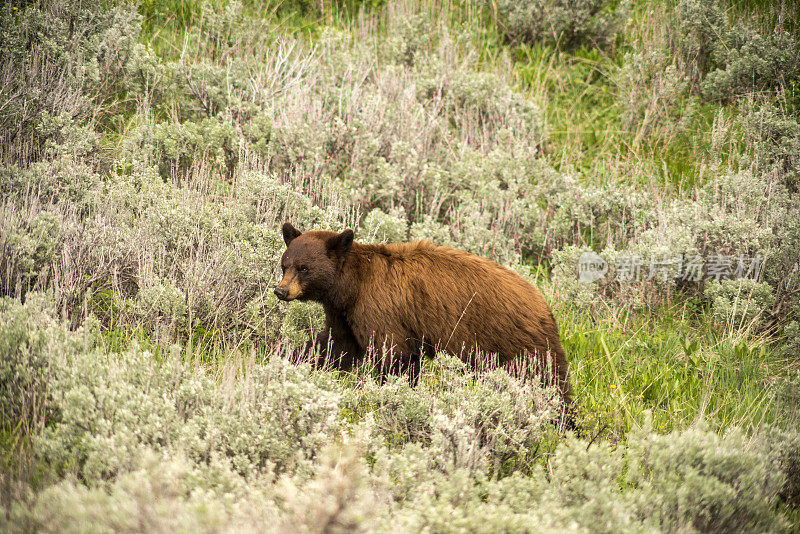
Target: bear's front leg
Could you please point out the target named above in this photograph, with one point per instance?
(400, 359)
(336, 347)
(312, 350)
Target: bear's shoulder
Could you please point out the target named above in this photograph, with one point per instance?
(410, 249)
(423, 253)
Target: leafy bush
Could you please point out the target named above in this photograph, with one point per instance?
(29, 243)
(725, 61)
(380, 227)
(486, 422)
(774, 140)
(59, 60)
(209, 141)
(105, 418)
(566, 282)
(739, 301)
(134, 439)
(30, 337)
(650, 88)
(562, 23)
(706, 482)
(749, 61)
(161, 298)
(701, 26)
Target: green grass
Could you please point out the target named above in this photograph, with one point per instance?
(580, 105)
(673, 368)
(164, 22)
(584, 115)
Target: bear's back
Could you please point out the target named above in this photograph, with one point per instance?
(457, 299)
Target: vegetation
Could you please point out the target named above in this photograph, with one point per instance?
(151, 150)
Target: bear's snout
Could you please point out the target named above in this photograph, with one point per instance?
(289, 288)
(281, 293)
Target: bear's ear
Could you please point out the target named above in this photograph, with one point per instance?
(289, 233)
(342, 243)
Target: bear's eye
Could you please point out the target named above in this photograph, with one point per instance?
(303, 268)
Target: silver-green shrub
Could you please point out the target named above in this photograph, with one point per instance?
(428, 229)
(703, 481)
(30, 339)
(774, 156)
(562, 23)
(739, 302)
(29, 243)
(381, 227)
(567, 285)
(726, 60)
(750, 61)
(59, 59)
(132, 440)
(650, 87)
(485, 421)
(107, 410)
(773, 138)
(701, 25)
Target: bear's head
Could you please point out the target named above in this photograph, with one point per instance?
(311, 263)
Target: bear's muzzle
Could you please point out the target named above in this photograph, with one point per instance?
(281, 293)
(288, 289)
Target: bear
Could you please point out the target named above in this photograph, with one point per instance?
(417, 298)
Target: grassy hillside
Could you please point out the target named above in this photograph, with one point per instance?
(151, 150)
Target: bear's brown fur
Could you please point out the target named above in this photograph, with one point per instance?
(416, 298)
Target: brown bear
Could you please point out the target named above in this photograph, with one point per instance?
(417, 298)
